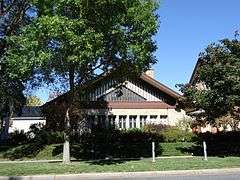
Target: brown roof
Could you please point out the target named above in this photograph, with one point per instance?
(139, 105)
(160, 86)
(144, 77)
(195, 72)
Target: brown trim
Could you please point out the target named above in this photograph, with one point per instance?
(140, 105)
(160, 86)
(126, 105)
(144, 77)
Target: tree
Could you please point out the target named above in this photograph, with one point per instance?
(72, 41)
(219, 71)
(34, 101)
(13, 15)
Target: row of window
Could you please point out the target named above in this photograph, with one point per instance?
(100, 121)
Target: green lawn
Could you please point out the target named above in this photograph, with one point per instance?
(48, 152)
(11, 169)
(175, 149)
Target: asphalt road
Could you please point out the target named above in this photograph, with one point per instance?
(189, 175)
(179, 177)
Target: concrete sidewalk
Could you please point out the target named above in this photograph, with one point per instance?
(136, 175)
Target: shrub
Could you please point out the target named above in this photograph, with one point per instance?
(103, 143)
(18, 137)
(39, 134)
(174, 134)
(26, 150)
(155, 128)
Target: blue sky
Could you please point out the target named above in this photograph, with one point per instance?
(186, 28)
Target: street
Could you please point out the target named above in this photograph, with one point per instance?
(221, 176)
(214, 174)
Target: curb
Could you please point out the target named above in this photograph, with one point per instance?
(84, 176)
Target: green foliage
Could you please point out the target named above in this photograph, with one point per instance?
(18, 137)
(170, 133)
(34, 101)
(39, 134)
(115, 143)
(219, 72)
(26, 150)
(176, 149)
(175, 134)
(82, 36)
(13, 16)
(155, 128)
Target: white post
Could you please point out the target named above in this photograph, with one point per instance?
(205, 150)
(153, 152)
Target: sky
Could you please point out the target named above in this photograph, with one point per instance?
(187, 27)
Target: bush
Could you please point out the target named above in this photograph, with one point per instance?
(26, 150)
(174, 134)
(39, 134)
(18, 137)
(155, 128)
(218, 144)
(103, 143)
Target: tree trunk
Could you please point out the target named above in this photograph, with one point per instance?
(66, 145)
(5, 123)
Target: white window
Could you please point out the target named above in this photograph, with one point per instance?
(163, 116)
(143, 121)
(122, 122)
(112, 121)
(153, 118)
(132, 121)
(163, 119)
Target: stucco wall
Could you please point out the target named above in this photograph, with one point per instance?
(173, 116)
(23, 124)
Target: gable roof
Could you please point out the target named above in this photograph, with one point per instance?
(149, 80)
(160, 86)
(195, 71)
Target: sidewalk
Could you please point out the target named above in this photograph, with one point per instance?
(136, 175)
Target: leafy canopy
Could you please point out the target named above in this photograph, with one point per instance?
(219, 73)
(75, 40)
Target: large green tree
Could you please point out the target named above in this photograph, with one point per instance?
(13, 15)
(73, 41)
(219, 73)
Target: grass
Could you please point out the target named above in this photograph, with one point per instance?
(49, 151)
(175, 149)
(11, 169)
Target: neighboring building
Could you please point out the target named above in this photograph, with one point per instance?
(30, 115)
(223, 123)
(125, 103)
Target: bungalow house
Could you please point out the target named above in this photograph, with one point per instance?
(124, 103)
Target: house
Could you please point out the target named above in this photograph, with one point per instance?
(124, 103)
(22, 121)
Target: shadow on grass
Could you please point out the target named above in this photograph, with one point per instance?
(112, 161)
(108, 154)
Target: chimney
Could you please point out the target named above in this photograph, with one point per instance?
(150, 73)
